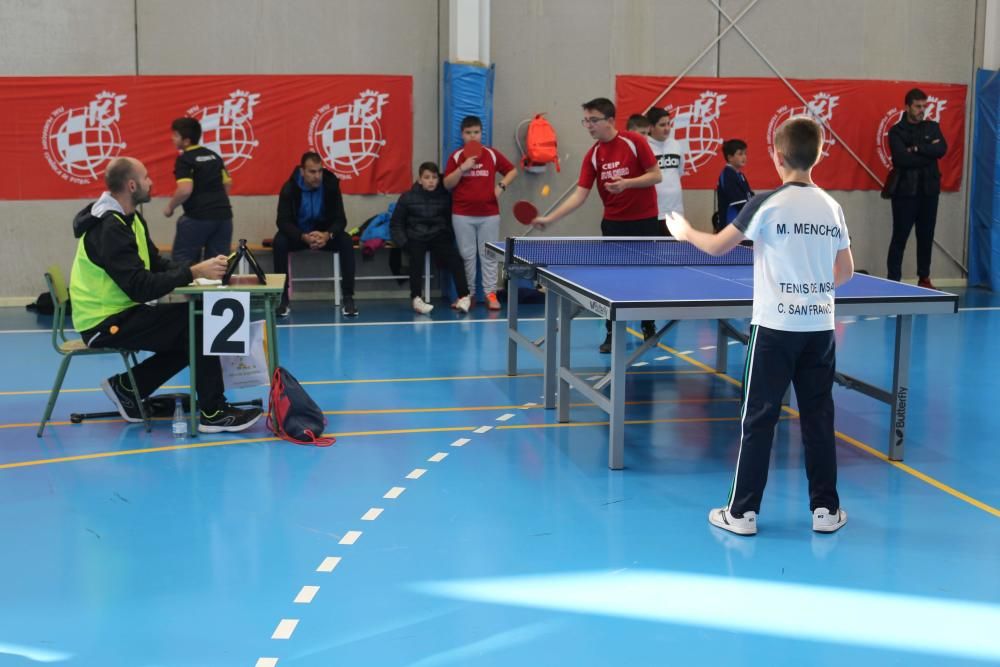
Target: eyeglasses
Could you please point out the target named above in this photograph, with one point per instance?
(592, 121)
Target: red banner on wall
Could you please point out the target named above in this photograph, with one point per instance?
(709, 111)
(57, 134)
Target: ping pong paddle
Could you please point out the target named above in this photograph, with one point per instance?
(472, 149)
(525, 212)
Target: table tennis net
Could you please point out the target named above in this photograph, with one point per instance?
(611, 251)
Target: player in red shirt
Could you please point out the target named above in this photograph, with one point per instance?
(472, 180)
(626, 172)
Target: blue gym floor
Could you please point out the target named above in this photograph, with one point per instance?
(421, 539)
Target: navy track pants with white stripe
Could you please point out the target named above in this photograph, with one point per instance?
(774, 359)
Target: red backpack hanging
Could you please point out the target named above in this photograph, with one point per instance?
(292, 414)
(540, 145)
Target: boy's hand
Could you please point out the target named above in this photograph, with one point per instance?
(467, 165)
(616, 186)
(168, 210)
(678, 225)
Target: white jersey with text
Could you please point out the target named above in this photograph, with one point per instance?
(797, 231)
(669, 155)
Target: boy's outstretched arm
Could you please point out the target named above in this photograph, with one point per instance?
(713, 244)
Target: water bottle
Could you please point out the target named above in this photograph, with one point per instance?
(180, 426)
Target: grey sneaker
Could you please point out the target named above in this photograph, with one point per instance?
(721, 518)
(228, 418)
(825, 521)
(123, 399)
(349, 309)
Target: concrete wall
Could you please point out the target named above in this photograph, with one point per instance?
(551, 55)
(51, 37)
(566, 53)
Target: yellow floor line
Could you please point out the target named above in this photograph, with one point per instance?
(402, 411)
(923, 477)
(346, 434)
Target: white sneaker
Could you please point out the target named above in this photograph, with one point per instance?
(421, 306)
(721, 518)
(463, 304)
(825, 521)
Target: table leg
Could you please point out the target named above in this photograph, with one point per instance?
(192, 370)
(900, 387)
(551, 328)
(721, 348)
(616, 444)
(512, 315)
(272, 334)
(565, 328)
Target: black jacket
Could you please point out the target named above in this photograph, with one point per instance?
(421, 215)
(334, 219)
(918, 170)
(112, 246)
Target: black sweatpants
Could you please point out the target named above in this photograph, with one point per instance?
(341, 243)
(907, 213)
(162, 329)
(775, 358)
(643, 227)
(442, 249)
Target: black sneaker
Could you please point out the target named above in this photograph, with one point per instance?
(283, 309)
(605, 347)
(648, 330)
(228, 418)
(349, 309)
(123, 399)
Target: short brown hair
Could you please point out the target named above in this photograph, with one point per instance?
(800, 140)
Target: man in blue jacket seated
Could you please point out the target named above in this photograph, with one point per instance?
(116, 273)
(421, 223)
(311, 217)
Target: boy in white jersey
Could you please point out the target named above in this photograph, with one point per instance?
(669, 155)
(801, 253)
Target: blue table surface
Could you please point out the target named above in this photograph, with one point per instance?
(708, 283)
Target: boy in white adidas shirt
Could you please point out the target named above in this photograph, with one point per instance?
(669, 155)
(801, 253)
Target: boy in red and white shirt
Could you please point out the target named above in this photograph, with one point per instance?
(475, 211)
(626, 173)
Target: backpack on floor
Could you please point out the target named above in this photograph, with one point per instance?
(292, 414)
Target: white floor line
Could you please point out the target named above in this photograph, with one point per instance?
(707, 347)
(306, 595)
(664, 358)
(869, 319)
(530, 405)
(394, 492)
(461, 442)
(266, 662)
(285, 628)
(483, 429)
(505, 417)
(416, 473)
(372, 514)
(734, 342)
(437, 458)
(329, 564)
(640, 363)
(350, 537)
(687, 351)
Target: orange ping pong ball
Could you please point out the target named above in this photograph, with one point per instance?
(545, 190)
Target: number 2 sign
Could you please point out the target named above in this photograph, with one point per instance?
(226, 323)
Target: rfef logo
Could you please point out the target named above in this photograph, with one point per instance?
(78, 143)
(935, 107)
(226, 128)
(696, 126)
(349, 136)
(820, 107)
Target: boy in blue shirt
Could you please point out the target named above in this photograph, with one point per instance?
(801, 253)
(733, 191)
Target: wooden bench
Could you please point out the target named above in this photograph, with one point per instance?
(337, 277)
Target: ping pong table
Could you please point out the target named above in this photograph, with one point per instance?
(642, 278)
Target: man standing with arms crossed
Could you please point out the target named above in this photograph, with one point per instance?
(626, 172)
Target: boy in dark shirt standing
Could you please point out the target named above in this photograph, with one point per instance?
(802, 252)
(733, 190)
(203, 190)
